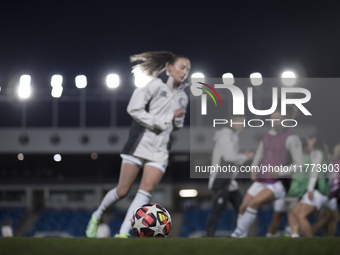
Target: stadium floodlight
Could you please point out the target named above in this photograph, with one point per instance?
(256, 79)
(20, 156)
(25, 80)
(81, 81)
(228, 78)
(57, 91)
(112, 81)
(141, 79)
(57, 157)
(24, 90)
(197, 77)
(94, 155)
(288, 78)
(188, 193)
(56, 81)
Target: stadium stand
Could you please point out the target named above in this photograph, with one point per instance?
(70, 223)
(15, 214)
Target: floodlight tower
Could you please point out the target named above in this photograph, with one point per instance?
(112, 82)
(81, 83)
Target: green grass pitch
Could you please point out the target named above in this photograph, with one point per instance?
(174, 246)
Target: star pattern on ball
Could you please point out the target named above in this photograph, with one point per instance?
(139, 224)
(154, 209)
(158, 229)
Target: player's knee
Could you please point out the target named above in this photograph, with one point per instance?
(300, 216)
(122, 192)
(255, 204)
(242, 208)
(291, 214)
(148, 187)
(336, 218)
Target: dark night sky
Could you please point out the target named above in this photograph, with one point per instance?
(94, 38)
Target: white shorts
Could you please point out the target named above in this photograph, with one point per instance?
(128, 159)
(277, 188)
(284, 204)
(332, 204)
(318, 201)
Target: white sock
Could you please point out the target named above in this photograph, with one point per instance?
(269, 235)
(245, 222)
(244, 234)
(294, 235)
(239, 216)
(142, 197)
(288, 230)
(110, 199)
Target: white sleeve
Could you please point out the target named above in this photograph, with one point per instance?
(179, 122)
(258, 155)
(315, 158)
(136, 108)
(294, 147)
(230, 151)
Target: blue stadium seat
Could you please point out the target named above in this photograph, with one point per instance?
(15, 214)
(65, 220)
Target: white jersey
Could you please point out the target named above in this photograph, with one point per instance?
(6, 231)
(152, 108)
(226, 148)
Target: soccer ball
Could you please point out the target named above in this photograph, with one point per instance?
(151, 220)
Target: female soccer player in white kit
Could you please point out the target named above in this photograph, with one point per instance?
(157, 109)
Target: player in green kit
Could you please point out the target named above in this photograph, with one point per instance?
(317, 188)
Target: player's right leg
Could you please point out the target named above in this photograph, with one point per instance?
(293, 221)
(253, 190)
(245, 202)
(334, 222)
(280, 209)
(152, 175)
(236, 198)
(220, 199)
(128, 174)
(274, 225)
(307, 207)
(304, 224)
(266, 193)
(324, 217)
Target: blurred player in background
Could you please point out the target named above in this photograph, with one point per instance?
(279, 146)
(297, 188)
(6, 228)
(157, 109)
(330, 212)
(225, 188)
(317, 188)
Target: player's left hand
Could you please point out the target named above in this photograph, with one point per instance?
(310, 195)
(179, 113)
